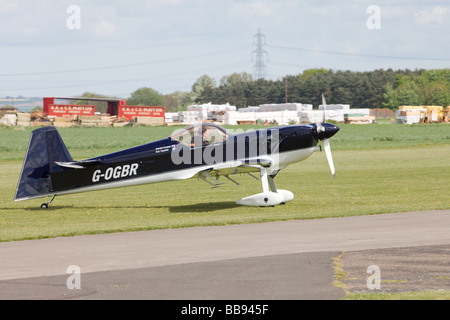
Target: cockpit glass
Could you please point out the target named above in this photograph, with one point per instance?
(200, 134)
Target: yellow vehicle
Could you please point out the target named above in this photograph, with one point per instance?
(446, 114)
(432, 114)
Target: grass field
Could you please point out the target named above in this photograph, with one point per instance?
(380, 169)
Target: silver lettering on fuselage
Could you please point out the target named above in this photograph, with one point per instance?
(118, 172)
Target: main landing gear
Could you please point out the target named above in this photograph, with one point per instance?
(271, 196)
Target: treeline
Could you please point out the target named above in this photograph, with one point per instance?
(372, 89)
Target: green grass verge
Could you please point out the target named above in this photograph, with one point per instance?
(410, 295)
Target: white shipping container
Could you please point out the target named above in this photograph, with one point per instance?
(407, 119)
(249, 109)
(365, 112)
(311, 116)
(9, 120)
(335, 107)
(285, 107)
(208, 107)
(282, 118)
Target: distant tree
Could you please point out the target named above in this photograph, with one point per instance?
(314, 86)
(435, 86)
(263, 91)
(170, 102)
(419, 87)
(371, 89)
(306, 74)
(236, 79)
(292, 86)
(377, 80)
(407, 96)
(275, 93)
(178, 101)
(203, 88)
(440, 96)
(390, 97)
(146, 97)
(235, 89)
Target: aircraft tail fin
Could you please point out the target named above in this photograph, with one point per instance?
(46, 147)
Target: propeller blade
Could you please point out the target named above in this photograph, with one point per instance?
(327, 147)
(324, 104)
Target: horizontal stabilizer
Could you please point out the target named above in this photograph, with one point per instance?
(71, 165)
(77, 164)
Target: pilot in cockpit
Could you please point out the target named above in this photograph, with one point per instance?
(205, 135)
(208, 134)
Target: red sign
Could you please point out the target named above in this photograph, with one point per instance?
(130, 112)
(65, 110)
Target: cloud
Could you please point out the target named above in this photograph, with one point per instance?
(252, 8)
(9, 7)
(435, 17)
(35, 38)
(105, 29)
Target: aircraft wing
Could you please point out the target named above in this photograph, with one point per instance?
(231, 168)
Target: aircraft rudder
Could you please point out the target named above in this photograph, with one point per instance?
(45, 148)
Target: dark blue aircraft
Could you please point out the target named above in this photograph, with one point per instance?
(205, 151)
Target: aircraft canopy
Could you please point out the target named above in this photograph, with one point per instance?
(201, 133)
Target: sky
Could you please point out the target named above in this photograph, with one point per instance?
(65, 48)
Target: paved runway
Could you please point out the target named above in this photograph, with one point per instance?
(278, 260)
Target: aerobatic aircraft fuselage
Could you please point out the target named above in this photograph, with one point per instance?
(205, 151)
